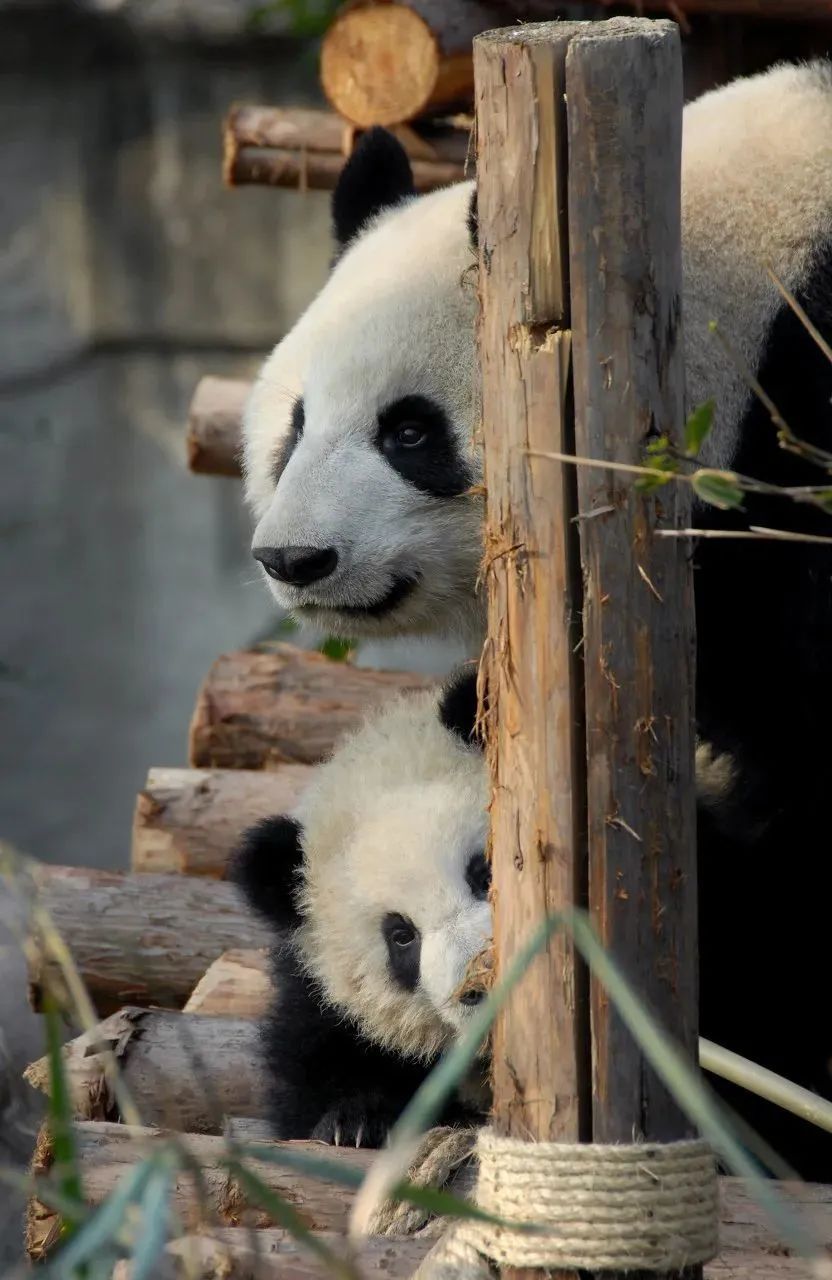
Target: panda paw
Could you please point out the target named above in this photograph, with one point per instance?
(353, 1122)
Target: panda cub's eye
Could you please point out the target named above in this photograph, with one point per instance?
(398, 930)
(410, 435)
(478, 875)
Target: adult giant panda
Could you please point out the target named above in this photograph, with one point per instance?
(359, 456)
(360, 466)
(378, 889)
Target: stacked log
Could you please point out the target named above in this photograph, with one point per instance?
(214, 436)
(237, 985)
(189, 820)
(262, 709)
(306, 149)
(137, 939)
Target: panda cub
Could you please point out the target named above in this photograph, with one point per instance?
(378, 889)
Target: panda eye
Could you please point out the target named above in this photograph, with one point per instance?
(478, 875)
(409, 435)
(398, 931)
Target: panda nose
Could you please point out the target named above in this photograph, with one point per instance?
(297, 565)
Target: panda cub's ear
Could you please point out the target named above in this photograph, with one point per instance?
(458, 706)
(376, 176)
(265, 865)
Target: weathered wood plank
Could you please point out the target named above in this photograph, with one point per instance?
(138, 939)
(189, 820)
(259, 710)
(624, 88)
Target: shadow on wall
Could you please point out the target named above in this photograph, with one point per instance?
(128, 272)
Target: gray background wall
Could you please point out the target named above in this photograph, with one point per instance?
(126, 271)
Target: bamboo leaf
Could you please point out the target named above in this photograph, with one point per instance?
(718, 488)
(102, 1229)
(153, 1223)
(698, 428)
(60, 1115)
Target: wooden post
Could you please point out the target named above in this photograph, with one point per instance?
(619, 753)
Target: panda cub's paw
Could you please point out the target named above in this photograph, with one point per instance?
(354, 1122)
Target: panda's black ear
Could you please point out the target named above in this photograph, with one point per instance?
(265, 864)
(458, 705)
(473, 223)
(376, 176)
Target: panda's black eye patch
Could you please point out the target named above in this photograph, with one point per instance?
(404, 950)
(289, 445)
(416, 438)
(478, 875)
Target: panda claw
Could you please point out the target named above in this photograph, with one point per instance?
(359, 1135)
(337, 1135)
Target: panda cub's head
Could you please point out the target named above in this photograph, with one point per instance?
(359, 454)
(382, 873)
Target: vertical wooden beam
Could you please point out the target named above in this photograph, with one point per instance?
(535, 697)
(632, 726)
(624, 89)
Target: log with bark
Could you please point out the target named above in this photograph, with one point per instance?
(238, 985)
(106, 1152)
(306, 149)
(228, 1254)
(189, 820)
(261, 709)
(182, 1071)
(215, 425)
(383, 63)
(137, 939)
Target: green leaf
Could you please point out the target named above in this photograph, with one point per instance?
(60, 1116)
(287, 1217)
(652, 481)
(337, 650)
(719, 488)
(660, 447)
(698, 428)
(102, 1229)
(153, 1228)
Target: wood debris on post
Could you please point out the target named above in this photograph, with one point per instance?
(619, 752)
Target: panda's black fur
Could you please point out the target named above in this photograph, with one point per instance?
(326, 1079)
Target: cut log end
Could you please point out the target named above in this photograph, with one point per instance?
(238, 985)
(215, 422)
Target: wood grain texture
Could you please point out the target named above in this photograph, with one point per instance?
(624, 88)
(183, 1071)
(189, 820)
(391, 62)
(237, 985)
(533, 688)
(215, 426)
(306, 149)
(106, 1151)
(138, 939)
(258, 710)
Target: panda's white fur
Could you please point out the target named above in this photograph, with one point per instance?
(396, 317)
(398, 314)
(389, 824)
(756, 193)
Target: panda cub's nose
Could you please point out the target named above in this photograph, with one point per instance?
(297, 565)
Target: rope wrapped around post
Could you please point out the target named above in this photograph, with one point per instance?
(596, 1207)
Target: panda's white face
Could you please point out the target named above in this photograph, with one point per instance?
(359, 436)
(395, 879)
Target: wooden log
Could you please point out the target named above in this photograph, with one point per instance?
(228, 1254)
(624, 90)
(137, 939)
(237, 985)
(189, 820)
(106, 1151)
(535, 707)
(215, 426)
(383, 63)
(258, 710)
(306, 149)
(182, 1071)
